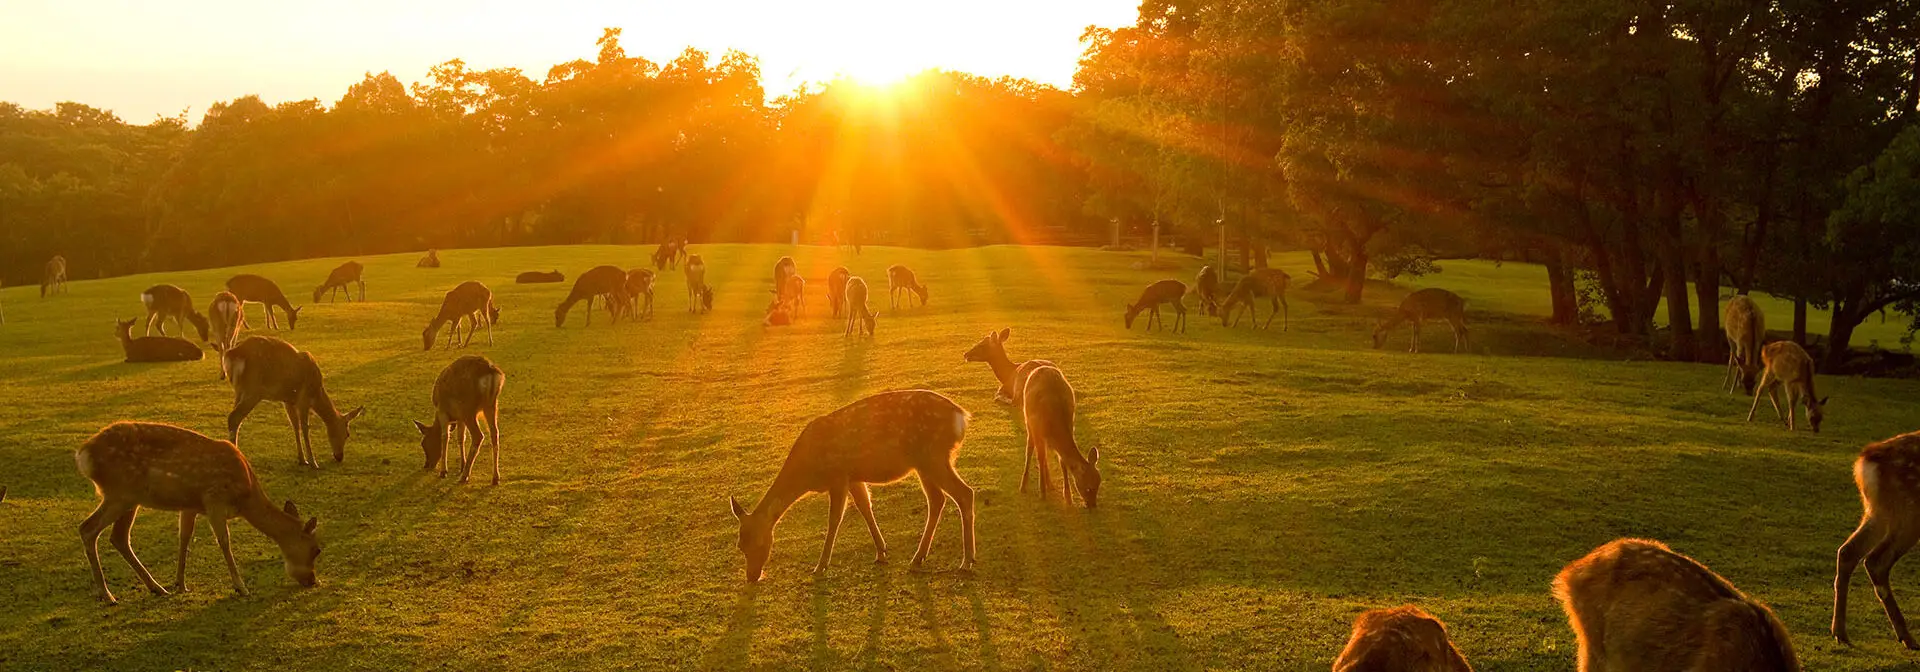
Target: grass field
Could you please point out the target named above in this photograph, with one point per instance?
(1261, 488)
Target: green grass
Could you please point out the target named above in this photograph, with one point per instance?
(1261, 488)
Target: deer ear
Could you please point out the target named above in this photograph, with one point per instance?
(1005, 333)
(1823, 400)
(738, 512)
(312, 523)
(422, 427)
(355, 413)
(291, 510)
(1093, 456)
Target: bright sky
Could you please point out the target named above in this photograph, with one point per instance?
(142, 58)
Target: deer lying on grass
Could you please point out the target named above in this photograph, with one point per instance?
(1207, 285)
(1789, 366)
(992, 350)
(599, 281)
(837, 289)
(777, 315)
(467, 390)
(227, 320)
(1746, 329)
(1401, 639)
(163, 467)
(147, 349)
(262, 368)
(876, 440)
(255, 289)
(539, 277)
(1268, 283)
(54, 279)
(860, 317)
(164, 302)
(639, 293)
(1427, 304)
(1635, 604)
(696, 269)
(1164, 291)
(432, 260)
(337, 281)
(469, 301)
(1048, 405)
(901, 278)
(1888, 477)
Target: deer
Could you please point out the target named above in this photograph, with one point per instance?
(1746, 328)
(539, 277)
(837, 289)
(1267, 283)
(263, 368)
(150, 349)
(54, 279)
(165, 302)
(992, 350)
(599, 281)
(1207, 285)
(337, 281)
(696, 270)
(167, 468)
(794, 295)
(639, 286)
(706, 299)
(1789, 366)
(668, 255)
(873, 441)
(1427, 304)
(227, 320)
(432, 260)
(901, 278)
(778, 315)
(467, 390)
(1635, 604)
(469, 301)
(1164, 291)
(255, 289)
(1887, 473)
(860, 317)
(1401, 639)
(782, 269)
(1047, 403)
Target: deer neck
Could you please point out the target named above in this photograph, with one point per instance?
(1002, 366)
(269, 519)
(780, 497)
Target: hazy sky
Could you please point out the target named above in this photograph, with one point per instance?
(141, 58)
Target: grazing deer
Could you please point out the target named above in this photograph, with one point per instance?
(466, 390)
(156, 348)
(1635, 604)
(696, 269)
(1047, 403)
(263, 368)
(255, 289)
(164, 302)
(1431, 303)
(1401, 639)
(706, 299)
(599, 281)
(777, 315)
(901, 278)
(168, 468)
(993, 351)
(1164, 291)
(1207, 285)
(782, 270)
(1268, 283)
(54, 279)
(669, 254)
(860, 317)
(1789, 366)
(469, 301)
(337, 281)
(639, 293)
(227, 320)
(837, 289)
(432, 260)
(1888, 476)
(794, 295)
(876, 440)
(1746, 329)
(539, 277)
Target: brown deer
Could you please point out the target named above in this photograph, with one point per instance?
(164, 302)
(168, 468)
(224, 313)
(147, 349)
(876, 440)
(860, 317)
(337, 281)
(992, 350)
(639, 293)
(696, 270)
(1268, 283)
(54, 279)
(782, 269)
(1635, 604)
(468, 389)
(539, 277)
(901, 278)
(432, 260)
(1207, 285)
(1888, 476)
(469, 301)
(669, 253)
(1789, 366)
(263, 368)
(837, 289)
(1431, 303)
(1746, 328)
(255, 289)
(1401, 639)
(599, 281)
(794, 295)
(1047, 403)
(778, 315)
(1164, 291)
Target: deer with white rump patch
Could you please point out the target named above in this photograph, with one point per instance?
(1047, 402)
(262, 368)
(164, 302)
(466, 391)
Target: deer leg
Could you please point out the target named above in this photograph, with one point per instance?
(186, 538)
(863, 501)
(936, 502)
(243, 405)
(1759, 388)
(1726, 381)
(1460, 331)
(836, 510)
(1849, 557)
(218, 521)
(472, 426)
(1773, 395)
(299, 450)
(488, 316)
(90, 529)
(1180, 316)
(123, 542)
(493, 436)
(1793, 404)
(471, 326)
(151, 318)
(1415, 348)
(1273, 309)
(1880, 568)
(962, 495)
(1033, 446)
(1046, 472)
(1066, 483)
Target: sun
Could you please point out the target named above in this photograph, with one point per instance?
(879, 73)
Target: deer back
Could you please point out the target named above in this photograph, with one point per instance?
(167, 300)
(1402, 639)
(1790, 363)
(467, 385)
(597, 281)
(465, 299)
(879, 439)
(1163, 291)
(1434, 303)
(1745, 323)
(639, 282)
(1649, 608)
(165, 467)
(155, 348)
(837, 281)
(1271, 281)
(856, 295)
(271, 368)
(901, 276)
(224, 312)
(1887, 474)
(257, 289)
(343, 274)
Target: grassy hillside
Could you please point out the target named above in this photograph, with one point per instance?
(1261, 488)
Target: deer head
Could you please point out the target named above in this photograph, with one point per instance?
(992, 348)
(1132, 312)
(432, 442)
(1087, 478)
(1380, 336)
(300, 550)
(1816, 411)
(338, 431)
(293, 318)
(756, 540)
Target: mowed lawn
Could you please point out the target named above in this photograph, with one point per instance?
(1261, 487)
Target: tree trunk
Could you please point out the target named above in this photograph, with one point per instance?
(1800, 321)
(1706, 289)
(1260, 254)
(1839, 335)
(1155, 259)
(1566, 309)
(1356, 272)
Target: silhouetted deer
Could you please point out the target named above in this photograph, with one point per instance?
(432, 260)
(263, 368)
(466, 391)
(860, 317)
(1047, 401)
(1263, 283)
(224, 313)
(1888, 477)
(639, 293)
(1207, 285)
(53, 280)
(149, 349)
(1431, 303)
(337, 281)
(992, 350)
(1637, 605)
(164, 302)
(469, 301)
(1164, 291)
(1401, 639)
(255, 289)
(1746, 328)
(1787, 365)
(599, 281)
(696, 270)
(837, 289)
(539, 277)
(901, 278)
